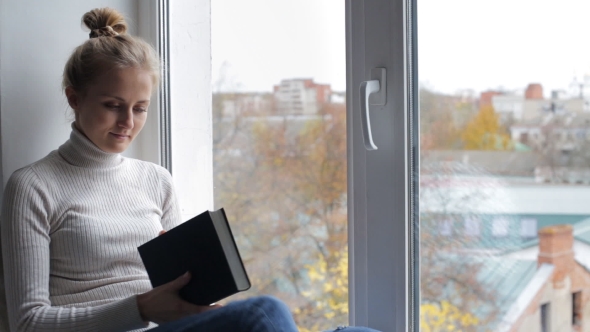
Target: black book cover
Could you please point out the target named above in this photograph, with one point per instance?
(192, 246)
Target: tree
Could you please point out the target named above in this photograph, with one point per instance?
(484, 132)
(332, 303)
(441, 116)
(329, 302)
(448, 273)
(283, 182)
(445, 317)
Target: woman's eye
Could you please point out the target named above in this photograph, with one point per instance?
(141, 110)
(112, 106)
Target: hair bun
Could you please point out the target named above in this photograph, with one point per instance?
(104, 22)
(107, 31)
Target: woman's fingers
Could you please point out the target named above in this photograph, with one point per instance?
(162, 304)
(197, 309)
(178, 283)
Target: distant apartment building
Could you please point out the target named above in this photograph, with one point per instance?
(565, 133)
(233, 104)
(508, 107)
(300, 96)
(530, 105)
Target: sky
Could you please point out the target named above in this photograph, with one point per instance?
(462, 44)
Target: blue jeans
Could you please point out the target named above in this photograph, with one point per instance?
(257, 314)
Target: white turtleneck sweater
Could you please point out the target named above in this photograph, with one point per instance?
(71, 224)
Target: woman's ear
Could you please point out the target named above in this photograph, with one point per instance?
(73, 98)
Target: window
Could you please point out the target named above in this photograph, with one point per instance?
(472, 226)
(445, 227)
(486, 125)
(456, 114)
(286, 194)
(500, 226)
(545, 317)
(577, 308)
(381, 186)
(528, 228)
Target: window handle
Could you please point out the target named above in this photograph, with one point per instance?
(373, 92)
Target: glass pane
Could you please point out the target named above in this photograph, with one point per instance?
(505, 165)
(279, 132)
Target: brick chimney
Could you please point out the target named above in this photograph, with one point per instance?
(485, 98)
(534, 91)
(556, 246)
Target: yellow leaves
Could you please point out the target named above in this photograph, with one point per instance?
(330, 276)
(278, 162)
(330, 315)
(484, 132)
(444, 317)
(285, 180)
(315, 272)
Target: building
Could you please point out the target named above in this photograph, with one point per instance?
(563, 130)
(300, 96)
(530, 105)
(234, 104)
(542, 286)
(290, 97)
(527, 244)
(556, 297)
(508, 106)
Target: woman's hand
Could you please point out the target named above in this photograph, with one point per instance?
(163, 304)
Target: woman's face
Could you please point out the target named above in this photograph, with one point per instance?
(114, 108)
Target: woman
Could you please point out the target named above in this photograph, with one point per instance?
(72, 221)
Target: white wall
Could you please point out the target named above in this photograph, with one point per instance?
(36, 38)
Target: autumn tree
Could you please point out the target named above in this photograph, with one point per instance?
(441, 117)
(484, 132)
(282, 180)
(328, 297)
(445, 317)
(331, 303)
(448, 272)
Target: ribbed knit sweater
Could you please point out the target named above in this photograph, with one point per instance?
(71, 224)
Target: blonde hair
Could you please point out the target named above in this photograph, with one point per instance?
(109, 47)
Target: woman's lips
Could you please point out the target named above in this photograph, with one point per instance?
(119, 136)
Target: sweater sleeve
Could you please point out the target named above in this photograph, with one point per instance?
(25, 235)
(170, 209)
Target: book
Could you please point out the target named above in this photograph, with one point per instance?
(204, 246)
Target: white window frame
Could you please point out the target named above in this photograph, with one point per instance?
(383, 184)
(383, 255)
(191, 127)
(148, 144)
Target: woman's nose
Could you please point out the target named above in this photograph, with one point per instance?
(126, 119)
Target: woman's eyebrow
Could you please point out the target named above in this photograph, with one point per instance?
(121, 99)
